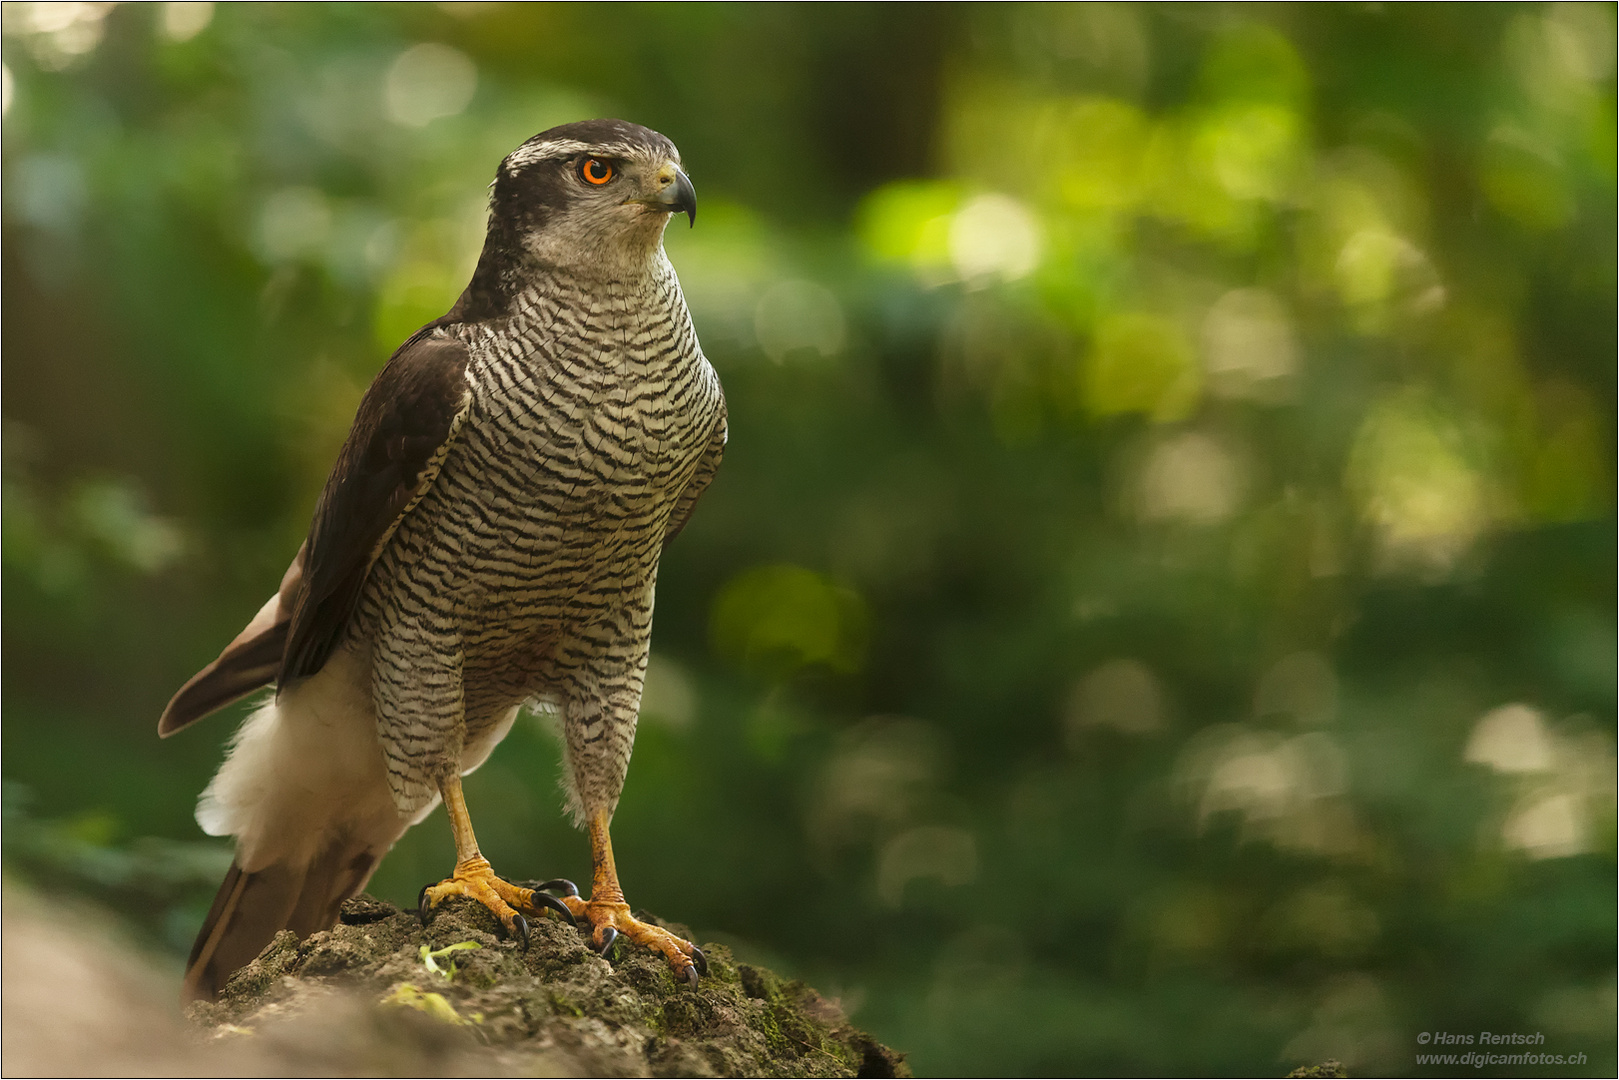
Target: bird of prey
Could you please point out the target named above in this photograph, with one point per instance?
(488, 538)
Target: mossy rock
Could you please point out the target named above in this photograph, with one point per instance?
(554, 1009)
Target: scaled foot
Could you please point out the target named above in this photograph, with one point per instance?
(474, 878)
(606, 920)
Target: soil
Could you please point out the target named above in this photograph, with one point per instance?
(381, 993)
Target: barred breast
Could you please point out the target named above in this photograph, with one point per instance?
(527, 570)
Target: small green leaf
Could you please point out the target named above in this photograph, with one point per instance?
(408, 995)
(430, 956)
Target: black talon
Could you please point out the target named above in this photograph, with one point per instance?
(690, 976)
(545, 899)
(568, 888)
(609, 935)
(422, 906)
(520, 929)
(701, 961)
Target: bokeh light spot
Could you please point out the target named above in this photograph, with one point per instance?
(1511, 739)
(1190, 477)
(909, 222)
(1287, 791)
(931, 851)
(1547, 826)
(1253, 151)
(50, 192)
(880, 777)
(798, 316)
(57, 34)
(1302, 687)
(1410, 469)
(1141, 362)
(668, 696)
(427, 82)
(1523, 179)
(1099, 153)
(1249, 349)
(184, 21)
(293, 223)
(994, 236)
(775, 620)
(1122, 695)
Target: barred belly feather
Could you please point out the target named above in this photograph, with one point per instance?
(528, 569)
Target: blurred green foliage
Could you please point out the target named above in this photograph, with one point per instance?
(1157, 611)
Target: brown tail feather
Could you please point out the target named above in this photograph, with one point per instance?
(251, 908)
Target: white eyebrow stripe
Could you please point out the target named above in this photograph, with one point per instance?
(563, 148)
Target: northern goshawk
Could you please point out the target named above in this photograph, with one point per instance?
(488, 538)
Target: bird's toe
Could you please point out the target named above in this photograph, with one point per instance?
(560, 885)
(541, 902)
(423, 905)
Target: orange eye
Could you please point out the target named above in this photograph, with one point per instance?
(596, 171)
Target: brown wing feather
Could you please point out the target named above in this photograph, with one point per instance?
(248, 663)
(393, 452)
(400, 436)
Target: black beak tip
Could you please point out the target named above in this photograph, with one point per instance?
(685, 197)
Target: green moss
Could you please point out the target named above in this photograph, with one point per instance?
(559, 999)
(562, 1004)
(759, 983)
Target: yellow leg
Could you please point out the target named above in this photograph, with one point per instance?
(475, 878)
(609, 916)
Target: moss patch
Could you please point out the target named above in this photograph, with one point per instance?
(558, 1005)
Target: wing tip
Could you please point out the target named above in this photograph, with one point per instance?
(176, 714)
(244, 667)
(197, 699)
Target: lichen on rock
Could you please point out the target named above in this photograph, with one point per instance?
(381, 992)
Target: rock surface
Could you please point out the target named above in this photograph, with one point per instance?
(380, 993)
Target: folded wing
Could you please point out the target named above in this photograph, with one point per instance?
(401, 433)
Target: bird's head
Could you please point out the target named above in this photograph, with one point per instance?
(591, 198)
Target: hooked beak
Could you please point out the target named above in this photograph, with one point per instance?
(677, 196)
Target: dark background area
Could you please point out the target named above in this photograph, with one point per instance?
(1156, 614)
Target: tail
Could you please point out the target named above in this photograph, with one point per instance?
(250, 908)
(305, 793)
